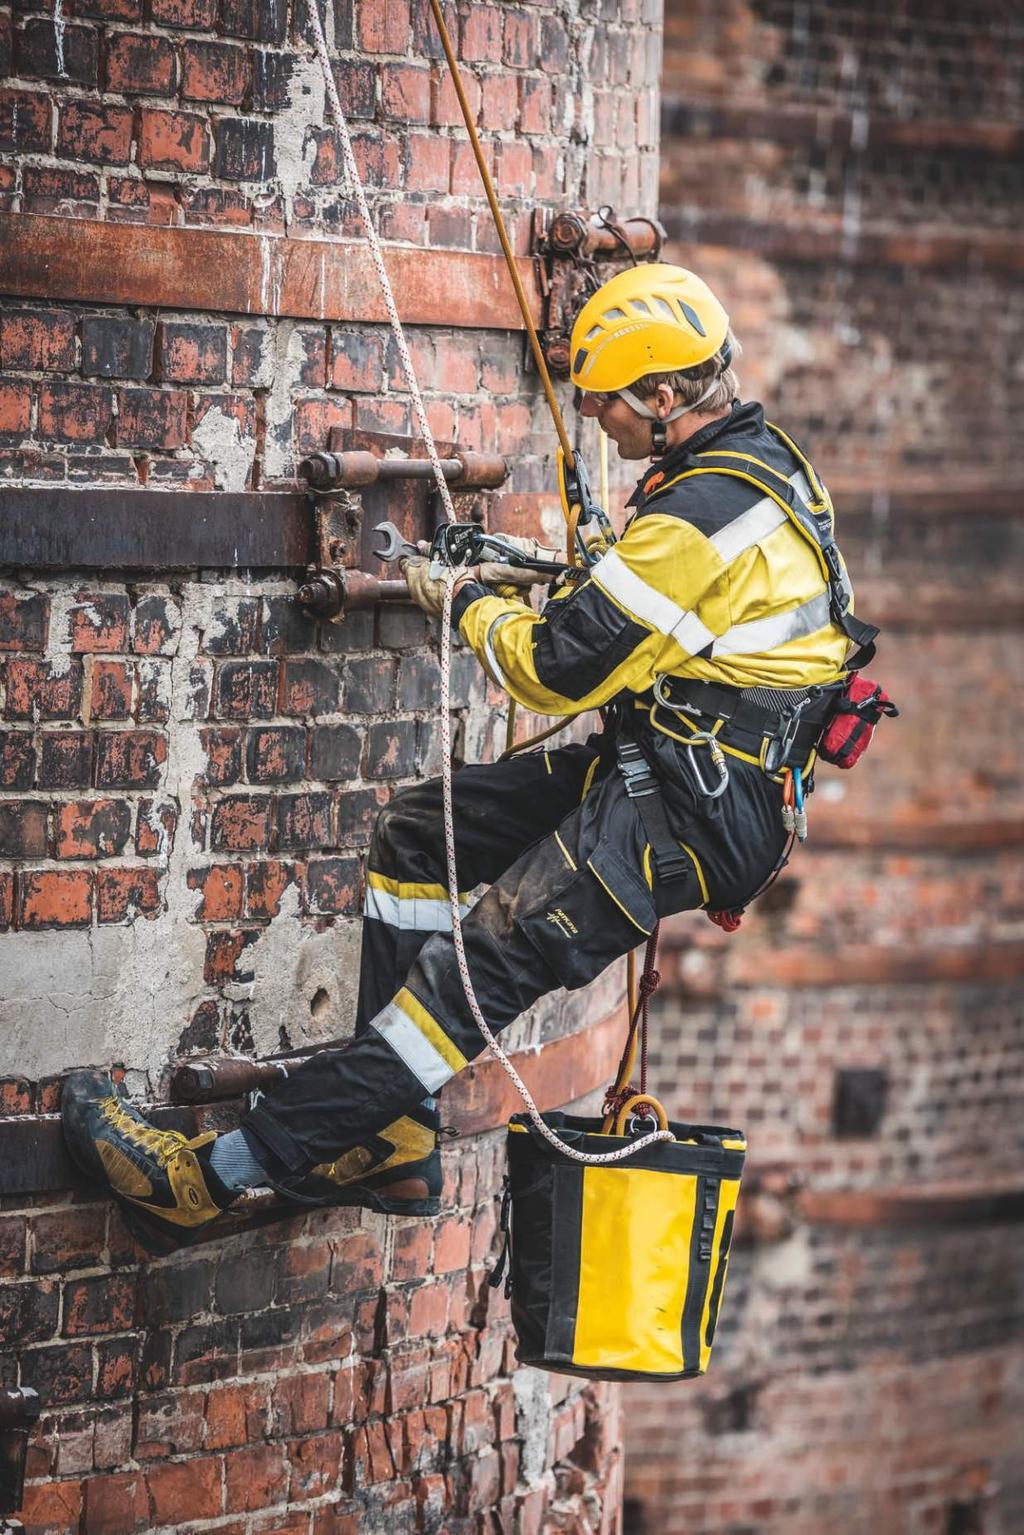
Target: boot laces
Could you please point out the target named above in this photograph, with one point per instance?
(162, 1145)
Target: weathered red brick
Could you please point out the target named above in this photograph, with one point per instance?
(152, 418)
(117, 1505)
(15, 408)
(156, 625)
(54, 189)
(17, 759)
(214, 72)
(172, 141)
(304, 821)
(194, 1485)
(55, 898)
(264, 21)
(190, 353)
(333, 887)
(111, 686)
(140, 64)
(198, 15)
(255, 1478)
(276, 754)
(38, 690)
(23, 620)
(22, 829)
(25, 121)
(97, 828)
(37, 340)
(90, 130)
(53, 1507)
(99, 621)
(103, 1304)
(155, 827)
(220, 887)
(130, 759)
(74, 57)
(245, 150)
(265, 884)
(123, 894)
(116, 346)
(384, 26)
(241, 823)
(314, 420)
(75, 412)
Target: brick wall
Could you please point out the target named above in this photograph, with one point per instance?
(189, 768)
(845, 178)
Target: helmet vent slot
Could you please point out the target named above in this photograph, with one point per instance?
(640, 305)
(665, 307)
(691, 315)
(615, 314)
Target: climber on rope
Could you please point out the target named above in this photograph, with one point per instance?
(716, 636)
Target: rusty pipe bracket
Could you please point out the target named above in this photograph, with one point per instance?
(19, 1409)
(345, 471)
(569, 248)
(331, 591)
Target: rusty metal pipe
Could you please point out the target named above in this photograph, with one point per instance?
(348, 471)
(218, 1077)
(575, 234)
(332, 592)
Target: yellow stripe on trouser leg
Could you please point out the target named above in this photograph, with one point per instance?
(632, 1289)
(419, 1041)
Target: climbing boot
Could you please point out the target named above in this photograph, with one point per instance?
(162, 1181)
(397, 1171)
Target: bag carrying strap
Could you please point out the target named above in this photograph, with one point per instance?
(813, 522)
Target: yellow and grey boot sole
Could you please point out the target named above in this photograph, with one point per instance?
(160, 1179)
(396, 1172)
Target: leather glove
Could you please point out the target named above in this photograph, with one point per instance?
(508, 580)
(426, 591)
(533, 547)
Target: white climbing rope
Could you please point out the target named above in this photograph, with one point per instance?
(355, 182)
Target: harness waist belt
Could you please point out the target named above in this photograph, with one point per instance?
(795, 726)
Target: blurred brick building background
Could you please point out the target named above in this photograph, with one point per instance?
(849, 176)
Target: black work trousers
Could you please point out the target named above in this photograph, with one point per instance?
(563, 851)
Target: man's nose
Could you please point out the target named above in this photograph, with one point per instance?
(589, 406)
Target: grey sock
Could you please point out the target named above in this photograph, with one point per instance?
(234, 1164)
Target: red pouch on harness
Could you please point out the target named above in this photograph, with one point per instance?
(852, 725)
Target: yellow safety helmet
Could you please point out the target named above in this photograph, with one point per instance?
(653, 318)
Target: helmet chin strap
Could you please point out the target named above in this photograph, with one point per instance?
(659, 423)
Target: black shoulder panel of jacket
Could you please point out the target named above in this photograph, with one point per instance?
(581, 641)
(709, 502)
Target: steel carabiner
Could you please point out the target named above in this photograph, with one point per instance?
(705, 738)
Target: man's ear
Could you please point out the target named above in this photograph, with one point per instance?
(663, 401)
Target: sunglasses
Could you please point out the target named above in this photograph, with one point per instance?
(600, 397)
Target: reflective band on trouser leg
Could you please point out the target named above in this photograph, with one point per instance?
(410, 907)
(419, 1041)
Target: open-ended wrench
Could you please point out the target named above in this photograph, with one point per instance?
(395, 546)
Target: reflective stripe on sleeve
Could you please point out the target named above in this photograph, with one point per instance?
(652, 607)
(762, 634)
(419, 1041)
(497, 675)
(693, 636)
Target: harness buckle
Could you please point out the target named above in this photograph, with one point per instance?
(712, 790)
(635, 770)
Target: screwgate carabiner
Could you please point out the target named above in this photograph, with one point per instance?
(705, 738)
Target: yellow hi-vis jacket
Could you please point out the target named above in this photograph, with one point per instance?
(712, 579)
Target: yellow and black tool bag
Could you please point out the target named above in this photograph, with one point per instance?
(616, 1271)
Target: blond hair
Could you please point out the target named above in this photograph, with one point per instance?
(690, 383)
